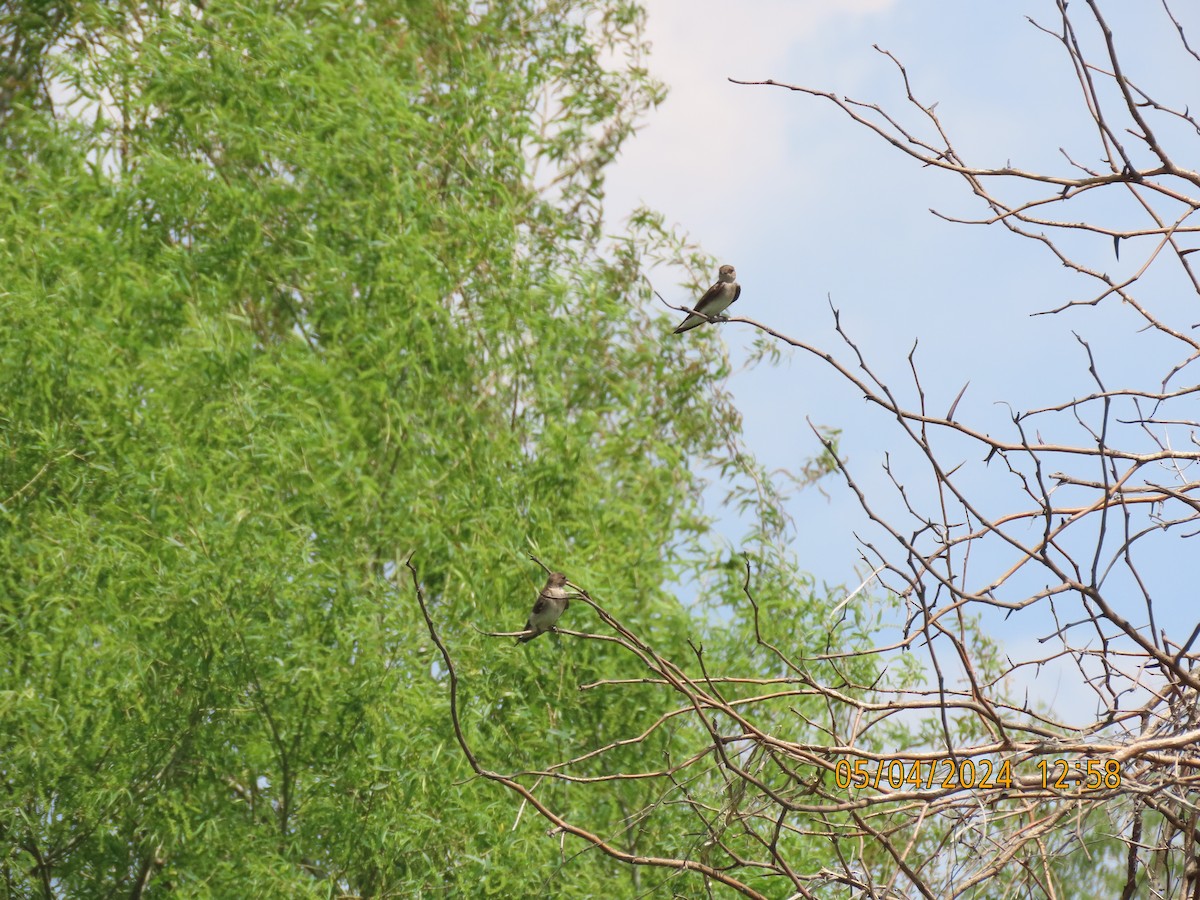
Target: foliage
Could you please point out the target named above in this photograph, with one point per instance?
(293, 290)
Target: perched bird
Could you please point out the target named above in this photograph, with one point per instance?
(715, 300)
(547, 608)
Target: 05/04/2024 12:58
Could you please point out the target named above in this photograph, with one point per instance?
(984, 773)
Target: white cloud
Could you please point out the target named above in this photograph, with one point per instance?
(712, 140)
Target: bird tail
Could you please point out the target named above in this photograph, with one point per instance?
(688, 324)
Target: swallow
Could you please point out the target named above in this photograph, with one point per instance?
(715, 301)
(547, 608)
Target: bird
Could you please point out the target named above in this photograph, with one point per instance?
(715, 300)
(547, 608)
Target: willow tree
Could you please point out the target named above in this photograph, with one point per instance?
(293, 293)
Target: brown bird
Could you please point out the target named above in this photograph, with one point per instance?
(547, 608)
(715, 301)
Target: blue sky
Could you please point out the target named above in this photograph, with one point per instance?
(808, 206)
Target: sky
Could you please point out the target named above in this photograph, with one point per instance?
(815, 210)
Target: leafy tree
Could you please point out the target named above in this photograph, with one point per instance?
(294, 291)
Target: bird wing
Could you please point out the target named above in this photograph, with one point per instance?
(692, 319)
(540, 605)
(709, 296)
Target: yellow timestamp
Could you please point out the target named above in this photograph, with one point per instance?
(983, 773)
